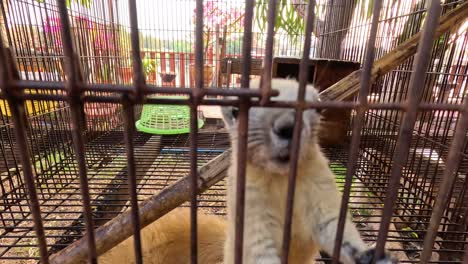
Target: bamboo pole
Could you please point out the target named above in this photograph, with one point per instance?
(349, 86)
(120, 228)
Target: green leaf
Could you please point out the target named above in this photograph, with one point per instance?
(369, 10)
(85, 3)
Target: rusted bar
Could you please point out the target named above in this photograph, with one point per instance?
(129, 135)
(247, 43)
(295, 145)
(465, 259)
(403, 144)
(357, 126)
(195, 99)
(119, 228)
(448, 180)
(242, 130)
(148, 89)
(129, 116)
(241, 93)
(193, 181)
(268, 60)
(8, 72)
(74, 81)
(226, 102)
(199, 45)
(138, 76)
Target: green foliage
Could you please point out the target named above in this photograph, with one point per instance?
(85, 3)
(365, 211)
(287, 19)
(410, 231)
(49, 160)
(106, 73)
(234, 46)
(340, 175)
(149, 42)
(149, 65)
(180, 46)
(367, 14)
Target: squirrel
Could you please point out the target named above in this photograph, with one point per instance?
(167, 240)
(317, 199)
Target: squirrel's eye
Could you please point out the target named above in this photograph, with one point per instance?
(235, 112)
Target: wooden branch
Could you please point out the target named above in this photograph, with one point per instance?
(120, 228)
(349, 85)
(115, 194)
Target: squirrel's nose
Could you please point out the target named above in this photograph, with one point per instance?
(284, 132)
(283, 126)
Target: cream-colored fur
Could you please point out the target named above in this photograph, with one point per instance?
(316, 204)
(317, 199)
(167, 240)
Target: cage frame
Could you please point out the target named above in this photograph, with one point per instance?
(75, 87)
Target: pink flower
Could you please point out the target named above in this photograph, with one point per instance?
(220, 14)
(52, 25)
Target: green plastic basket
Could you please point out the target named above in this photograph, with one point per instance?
(166, 119)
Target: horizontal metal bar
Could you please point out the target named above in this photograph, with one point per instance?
(254, 103)
(147, 90)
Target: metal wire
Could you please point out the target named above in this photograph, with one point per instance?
(296, 139)
(74, 77)
(402, 147)
(357, 127)
(52, 159)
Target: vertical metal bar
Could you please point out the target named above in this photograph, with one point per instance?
(357, 126)
(448, 180)
(194, 180)
(138, 76)
(247, 43)
(405, 134)
(465, 259)
(243, 126)
(199, 45)
(195, 98)
(129, 121)
(268, 61)
(16, 105)
(129, 135)
(74, 96)
(303, 77)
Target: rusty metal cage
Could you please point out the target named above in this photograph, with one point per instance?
(73, 81)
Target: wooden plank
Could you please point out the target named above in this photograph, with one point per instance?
(191, 61)
(172, 65)
(153, 56)
(113, 199)
(236, 67)
(349, 86)
(182, 65)
(162, 59)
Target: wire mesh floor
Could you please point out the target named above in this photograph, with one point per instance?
(162, 160)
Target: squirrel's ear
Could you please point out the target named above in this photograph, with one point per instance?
(229, 115)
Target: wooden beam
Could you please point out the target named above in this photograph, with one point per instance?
(120, 228)
(113, 198)
(349, 86)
